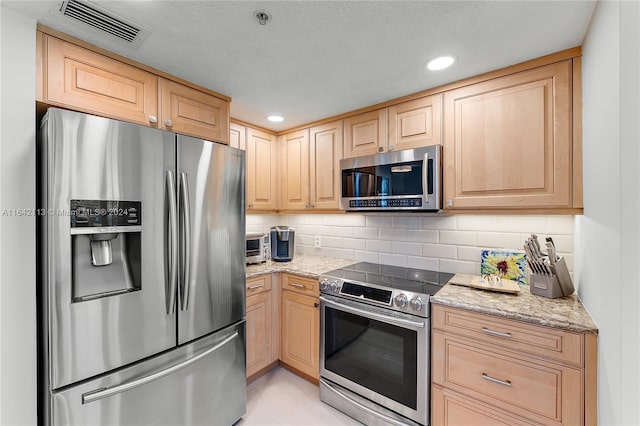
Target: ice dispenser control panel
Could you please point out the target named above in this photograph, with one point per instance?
(105, 213)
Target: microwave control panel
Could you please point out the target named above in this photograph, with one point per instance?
(393, 202)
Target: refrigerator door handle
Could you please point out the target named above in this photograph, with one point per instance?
(186, 241)
(173, 242)
(107, 392)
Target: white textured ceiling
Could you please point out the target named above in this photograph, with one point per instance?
(315, 59)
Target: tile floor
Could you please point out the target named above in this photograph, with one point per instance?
(282, 398)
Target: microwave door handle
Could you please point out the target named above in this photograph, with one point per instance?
(173, 242)
(186, 240)
(425, 178)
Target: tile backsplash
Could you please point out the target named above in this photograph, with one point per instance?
(441, 243)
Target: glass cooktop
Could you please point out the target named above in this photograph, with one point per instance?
(393, 277)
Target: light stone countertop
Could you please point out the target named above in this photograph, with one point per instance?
(566, 313)
(305, 265)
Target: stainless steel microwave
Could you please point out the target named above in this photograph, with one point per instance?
(257, 247)
(408, 180)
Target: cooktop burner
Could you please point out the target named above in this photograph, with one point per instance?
(393, 277)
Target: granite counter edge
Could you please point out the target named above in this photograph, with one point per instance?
(532, 319)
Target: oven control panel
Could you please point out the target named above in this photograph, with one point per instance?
(397, 300)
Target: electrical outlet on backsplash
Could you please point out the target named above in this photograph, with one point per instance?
(443, 243)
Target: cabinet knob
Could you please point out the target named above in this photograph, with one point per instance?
(168, 123)
(449, 203)
(380, 149)
(153, 119)
(391, 147)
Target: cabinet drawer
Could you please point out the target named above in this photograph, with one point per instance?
(258, 285)
(300, 284)
(509, 334)
(452, 409)
(541, 391)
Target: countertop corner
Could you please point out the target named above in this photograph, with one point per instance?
(301, 264)
(567, 313)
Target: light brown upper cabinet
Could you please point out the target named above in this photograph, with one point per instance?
(294, 170)
(192, 112)
(325, 152)
(238, 136)
(261, 166)
(508, 141)
(415, 123)
(79, 79)
(72, 76)
(365, 134)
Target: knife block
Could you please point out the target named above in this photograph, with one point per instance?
(559, 284)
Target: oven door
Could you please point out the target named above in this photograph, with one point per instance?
(377, 353)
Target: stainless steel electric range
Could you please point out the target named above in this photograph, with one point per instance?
(374, 342)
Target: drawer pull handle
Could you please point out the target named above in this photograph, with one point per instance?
(498, 381)
(253, 287)
(298, 285)
(496, 333)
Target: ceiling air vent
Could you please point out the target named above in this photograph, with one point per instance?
(103, 20)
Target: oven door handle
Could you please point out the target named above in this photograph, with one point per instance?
(373, 315)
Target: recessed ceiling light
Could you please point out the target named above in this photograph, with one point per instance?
(275, 118)
(440, 63)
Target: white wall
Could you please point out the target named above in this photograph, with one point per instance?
(440, 243)
(607, 248)
(17, 234)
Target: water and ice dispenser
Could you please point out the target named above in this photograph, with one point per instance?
(105, 248)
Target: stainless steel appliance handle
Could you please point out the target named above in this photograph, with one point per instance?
(107, 392)
(361, 406)
(425, 178)
(173, 243)
(186, 239)
(373, 315)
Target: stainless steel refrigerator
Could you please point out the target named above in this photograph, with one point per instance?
(142, 270)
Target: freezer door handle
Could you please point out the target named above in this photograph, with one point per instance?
(186, 241)
(173, 243)
(102, 393)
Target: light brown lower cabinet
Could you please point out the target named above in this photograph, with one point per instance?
(493, 371)
(300, 338)
(260, 337)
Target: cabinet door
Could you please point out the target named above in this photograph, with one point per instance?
(325, 153)
(416, 123)
(191, 112)
(259, 337)
(365, 134)
(238, 136)
(261, 170)
(79, 79)
(508, 141)
(294, 169)
(300, 333)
